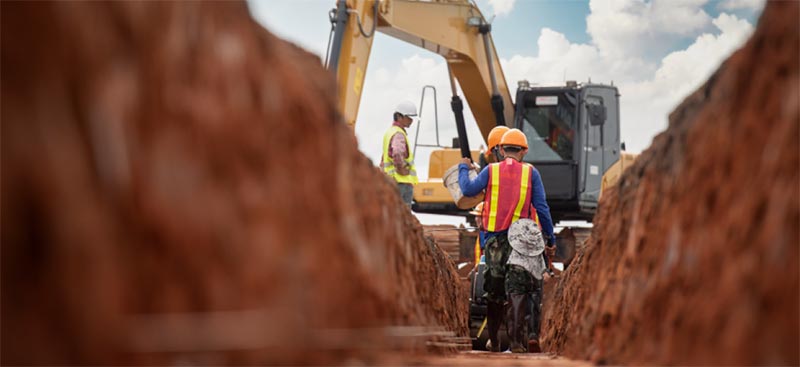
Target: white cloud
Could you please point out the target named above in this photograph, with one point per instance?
(625, 28)
(502, 7)
(560, 60)
(650, 90)
(741, 4)
(683, 71)
(690, 67)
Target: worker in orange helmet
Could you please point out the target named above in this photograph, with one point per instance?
(491, 155)
(493, 151)
(514, 190)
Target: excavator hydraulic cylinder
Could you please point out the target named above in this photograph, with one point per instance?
(458, 111)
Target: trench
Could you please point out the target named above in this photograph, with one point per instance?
(179, 188)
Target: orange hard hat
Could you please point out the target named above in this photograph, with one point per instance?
(495, 135)
(514, 137)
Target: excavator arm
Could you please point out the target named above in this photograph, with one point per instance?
(454, 29)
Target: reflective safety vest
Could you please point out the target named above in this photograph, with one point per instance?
(508, 195)
(388, 163)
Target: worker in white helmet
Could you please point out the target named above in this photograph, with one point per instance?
(397, 160)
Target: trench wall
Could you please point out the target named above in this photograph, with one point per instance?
(178, 187)
(694, 255)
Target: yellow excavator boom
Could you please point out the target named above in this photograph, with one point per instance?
(454, 29)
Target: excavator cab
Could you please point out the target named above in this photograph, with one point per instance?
(573, 139)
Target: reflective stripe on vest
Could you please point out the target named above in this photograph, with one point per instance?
(523, 193)
(508, 195)
(387, 163)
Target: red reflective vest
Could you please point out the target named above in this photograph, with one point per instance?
(508, 195)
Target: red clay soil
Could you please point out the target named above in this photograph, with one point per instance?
(177, 187)
(457, 242)
(446, 236)
(694, 256)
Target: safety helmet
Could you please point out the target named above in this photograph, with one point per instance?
(495, 135)
(514, 137)
(406, 108)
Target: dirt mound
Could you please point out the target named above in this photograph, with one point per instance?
(694, 256)
(447, 237)
(457, 242)
(178, 188)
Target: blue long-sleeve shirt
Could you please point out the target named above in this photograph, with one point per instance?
(538, 197)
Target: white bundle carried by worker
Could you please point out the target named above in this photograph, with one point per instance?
(527, 246)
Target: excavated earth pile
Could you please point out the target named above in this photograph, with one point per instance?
(457, 242)
(446, 236)
(694, 256)
(178, 188)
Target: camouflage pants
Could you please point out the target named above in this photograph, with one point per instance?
(496, 251)
(520, 281)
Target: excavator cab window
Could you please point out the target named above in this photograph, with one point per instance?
(549, 123)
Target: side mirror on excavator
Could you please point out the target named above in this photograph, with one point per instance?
(597, 114)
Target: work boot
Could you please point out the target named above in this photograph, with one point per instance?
(517, 322)
(494, 316)
(533, 346)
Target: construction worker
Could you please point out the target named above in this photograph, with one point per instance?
(492, 153)
(514, 190)
(397, 160)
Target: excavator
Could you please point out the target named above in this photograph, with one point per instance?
(573, 130)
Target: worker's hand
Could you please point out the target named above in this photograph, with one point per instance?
(467, 161)
(546, 276)
(550, 250)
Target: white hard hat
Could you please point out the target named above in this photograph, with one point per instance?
(406, 108)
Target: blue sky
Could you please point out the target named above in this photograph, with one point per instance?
(655, 51)
(516, 33)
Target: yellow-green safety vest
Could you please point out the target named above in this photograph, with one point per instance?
(388, 162)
